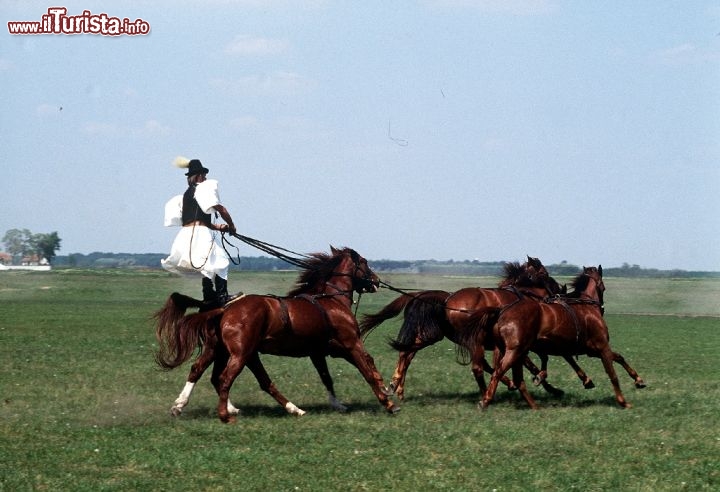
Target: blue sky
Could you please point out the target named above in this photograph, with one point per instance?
(586, 132)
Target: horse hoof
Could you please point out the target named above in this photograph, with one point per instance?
(640, 384)
(589, 384)
(393, 409)
(175, 411)
(540, 378)
(388, 391)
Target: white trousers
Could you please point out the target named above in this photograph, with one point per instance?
(194, 251)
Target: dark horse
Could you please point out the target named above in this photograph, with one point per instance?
(314, 320)
(568, 325)
(431, 315)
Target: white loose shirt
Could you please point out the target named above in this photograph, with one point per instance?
(194, 249)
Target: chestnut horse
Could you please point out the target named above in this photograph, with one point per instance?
(314, 320)
(175, 308)
(431, 315)
(568, 326)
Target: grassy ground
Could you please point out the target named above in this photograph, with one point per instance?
(82, 406)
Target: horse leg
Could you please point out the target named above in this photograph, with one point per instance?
(397, 383)
(540, 375)
(489, 393)
(586, 381)
(363, 361)
(207, 356)
(266, 384)
(606, 355)
(490, 369)
(196, 371)
(502, 364)
(321, 366)
(479, 365)
(221, 359)
(517, 372)
(639, 383)
(227, 377)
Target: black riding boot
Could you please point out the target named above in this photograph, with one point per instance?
(221, 289)
(209, 294)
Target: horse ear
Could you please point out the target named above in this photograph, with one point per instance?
(333, 250)
(354, 255)
(600, 269)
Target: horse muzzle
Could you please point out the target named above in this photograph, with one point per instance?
(370, 285)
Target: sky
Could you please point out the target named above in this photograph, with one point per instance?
(586, 132)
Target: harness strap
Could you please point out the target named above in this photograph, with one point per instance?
(313, 300)
(563, 302)
(284, 313)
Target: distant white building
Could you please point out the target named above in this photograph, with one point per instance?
(32, 262)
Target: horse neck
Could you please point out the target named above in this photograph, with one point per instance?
(517, 283)
(535, 291)
(591, 291)
(509, 282)
(340, 282)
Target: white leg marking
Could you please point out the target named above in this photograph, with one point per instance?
(334, 403)
(293, 410)
(231, 409)
(183, 399)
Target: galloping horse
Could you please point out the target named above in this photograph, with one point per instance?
(430, 316)
(567, 326)
(314, 320)
(174, 309)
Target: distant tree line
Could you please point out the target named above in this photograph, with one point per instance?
(152, 260)
(21, 244)
(432, 267)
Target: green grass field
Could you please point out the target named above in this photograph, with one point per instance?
(83, 407)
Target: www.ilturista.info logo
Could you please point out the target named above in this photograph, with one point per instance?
(56, 21)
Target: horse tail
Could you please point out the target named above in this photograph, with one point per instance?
(371, 321)
(424, 323)
(477, 331)
(178, 335)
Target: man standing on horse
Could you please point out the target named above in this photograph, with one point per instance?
(194, 249)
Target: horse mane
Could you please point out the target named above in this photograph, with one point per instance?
(319, 268)
(516, 274)
(579, 284)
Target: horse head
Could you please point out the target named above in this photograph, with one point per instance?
(595, 274)
(362, 277)
(589, 284)
(540, 277)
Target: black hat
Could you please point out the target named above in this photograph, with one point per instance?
(196, 167)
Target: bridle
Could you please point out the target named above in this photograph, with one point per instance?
(365, 279)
